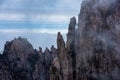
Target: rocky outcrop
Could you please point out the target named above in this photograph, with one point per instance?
(55, 70)
(20, 61)
(63, 57)
(17, 55)
(91, 51)
(71, 48)
(97, 42)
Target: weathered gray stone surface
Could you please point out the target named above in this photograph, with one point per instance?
(97, 40)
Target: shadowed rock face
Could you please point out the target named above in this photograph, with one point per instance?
(90, 53)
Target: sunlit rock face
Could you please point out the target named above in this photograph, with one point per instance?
(97, 40)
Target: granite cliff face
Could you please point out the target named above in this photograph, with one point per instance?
(97, 40)
(91, 52)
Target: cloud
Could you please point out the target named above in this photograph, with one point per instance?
(11, 17)
(35, 18)
(53, 11)
(50, 18)
(41, 6)
(37, 31)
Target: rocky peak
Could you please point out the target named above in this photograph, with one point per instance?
(90, 53)
(18, 48)
(72, 25)
(54, 51)
(46, 51)
(52, 48)
(71, 34)
(20, 45)
(40, 50)
(60, 41)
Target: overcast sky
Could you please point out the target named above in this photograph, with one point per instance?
(35, 18)
(39, 10)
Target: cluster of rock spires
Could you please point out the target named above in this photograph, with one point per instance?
(92, 50)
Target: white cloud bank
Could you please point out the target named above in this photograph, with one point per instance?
(39, 10)
(54, 18)
(47, 31)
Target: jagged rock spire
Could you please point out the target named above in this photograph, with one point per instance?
(70, 47)
(40, 50)
(92, 51)
(60, 41)
(72, 25)
(71, 34)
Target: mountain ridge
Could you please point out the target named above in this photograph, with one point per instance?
(91, 51)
